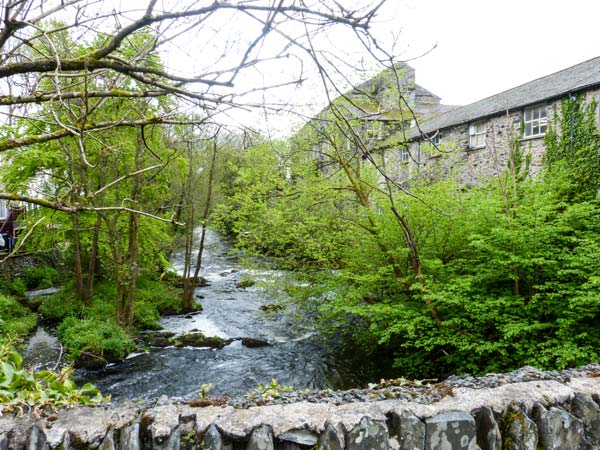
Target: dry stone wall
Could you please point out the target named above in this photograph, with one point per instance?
(553, 414)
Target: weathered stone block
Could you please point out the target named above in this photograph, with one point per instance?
(410, 431)
(331, 439)
(488, 431)
(300, 437)
(520, 431)
(130, 437)
(450, 431)
(37, 440)
(369, 434)
(212, 439)
(588, 411)
(109, 441)
(558, 430)
(261, 438)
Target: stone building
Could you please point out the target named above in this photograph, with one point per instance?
(473, 141)
(370, 113)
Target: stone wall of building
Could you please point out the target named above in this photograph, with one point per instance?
(545, 410)
(454, 157)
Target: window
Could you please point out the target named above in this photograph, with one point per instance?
(477, 132)
(436, 138)
(404, 154)
(372, 131)
(3, 211)
(535, 121)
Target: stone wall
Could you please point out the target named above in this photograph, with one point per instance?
(454, 157)
(16, 265)
(547, 413)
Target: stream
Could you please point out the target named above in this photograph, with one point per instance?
(294, 358)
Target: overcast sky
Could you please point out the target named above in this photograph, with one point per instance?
(485, 47)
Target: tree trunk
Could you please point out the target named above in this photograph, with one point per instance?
(79, 284)
(91, 272)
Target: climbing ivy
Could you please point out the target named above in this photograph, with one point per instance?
(573, 148)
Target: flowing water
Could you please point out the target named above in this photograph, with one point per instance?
(294, 358)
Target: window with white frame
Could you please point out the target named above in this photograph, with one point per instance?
(404, 154)
(535, 121)
(477, 132)
(436, 138)
(372, 131)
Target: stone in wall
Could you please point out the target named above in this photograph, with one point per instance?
(261, 439)
(410, 431)
(369, 434)
(520, 431)
(331, 438)
(488, 431)
(558, 430)
(453, 430)
(587, 410)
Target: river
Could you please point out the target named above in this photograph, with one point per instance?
(294, 358)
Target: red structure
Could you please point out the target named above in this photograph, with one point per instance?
(9, 226)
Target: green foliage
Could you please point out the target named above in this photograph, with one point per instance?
(23, 391)
(57, 307)
(281, 208)
(40, 277)
(94, 337)
(269, 391)
(573, 149)
(13, 286)
(93, 329)
(204, 390)
(15, 319)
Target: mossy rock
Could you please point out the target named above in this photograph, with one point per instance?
(161, 339)
(254, 343)
(271, 308)
(200, 340)
(89, 361)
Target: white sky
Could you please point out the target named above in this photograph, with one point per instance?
(485, 47)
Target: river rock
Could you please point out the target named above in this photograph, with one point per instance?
(369, 434)
(410, 431)
(199, 340)
(558, 430)
(253, 342)
(158, 339)
(452, 430)
(588, 411)
(488, 432)
(261, 438)
(520, 431)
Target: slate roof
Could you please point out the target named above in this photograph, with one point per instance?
(573, 79)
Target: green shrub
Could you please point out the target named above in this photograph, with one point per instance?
(60, 305)
(22, 390)
(40, 277)
(14, 287)
(95, 337)
(15, 319)
(146, 316)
